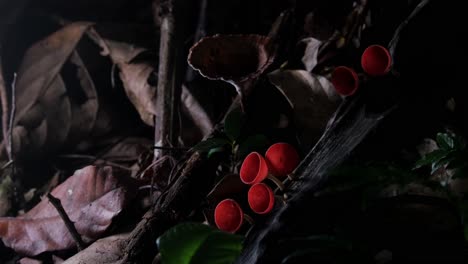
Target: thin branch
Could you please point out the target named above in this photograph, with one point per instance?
(68, 223)
(4, 103)
(169, 85)
(9, 145)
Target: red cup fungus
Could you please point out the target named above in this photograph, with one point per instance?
(345, 80)
(254, 169)
(228, 216)
(282, 159)
(376, 60)
(261, 198)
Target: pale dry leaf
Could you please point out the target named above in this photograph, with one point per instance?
(92, 197)
(312, 98)
(309, 58)
(48, 115)
(84, 110)
(107, 250)
(30, 261)
(134, 76)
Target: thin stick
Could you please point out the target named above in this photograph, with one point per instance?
(68, 223)
(4, 102)
(12, 119)
(169, 86)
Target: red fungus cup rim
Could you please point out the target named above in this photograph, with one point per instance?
(345, 80)
(261, 198)
(228, 216)
(282, 159)
(254, 169)
(376, 60)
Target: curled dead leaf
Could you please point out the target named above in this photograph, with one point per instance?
(236, 59)
(48, 116)
(231, 57)
(312, 98)
(92, 197)
(134, 76)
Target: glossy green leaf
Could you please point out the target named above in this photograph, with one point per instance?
(192, 243)
(211, 143)
(445, 141)
(432, 157)
(213, 151)
(252, 143)
(233, 123)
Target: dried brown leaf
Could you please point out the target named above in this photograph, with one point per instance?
(134, 76)
(231, 57)
(310, 53)
(47, 115)
(312, 98)
(92, 197)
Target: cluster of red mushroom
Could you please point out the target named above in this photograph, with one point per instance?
(375, 61)
(279, 162)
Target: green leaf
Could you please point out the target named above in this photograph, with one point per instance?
(192, 243)
(432, 157)
(210, 144)
(252, 143)
(214, 151)
(233, 123)
(445, 141)
(218, 248)
(442, 162)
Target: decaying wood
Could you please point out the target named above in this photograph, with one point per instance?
(187, 192)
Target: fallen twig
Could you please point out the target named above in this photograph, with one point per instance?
(4, 103)
(9, 145)
(68, 223)
(169, 89)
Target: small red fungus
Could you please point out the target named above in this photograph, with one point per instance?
(261, 198)
(254, 169)
(282, 159)
(345, 80)
(376, 60)
(228, 216)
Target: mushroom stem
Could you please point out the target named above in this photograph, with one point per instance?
(277, 182)
(281, 198)
(249, 219)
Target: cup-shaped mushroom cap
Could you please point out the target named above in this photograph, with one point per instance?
(376, 60)
(231, 57)
(345, 80)
(261, 198)
(282, 159)
(254, 169)
(228, 216)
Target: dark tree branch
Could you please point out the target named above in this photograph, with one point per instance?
(68, 223)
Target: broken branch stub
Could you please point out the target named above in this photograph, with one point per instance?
(236, 59)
